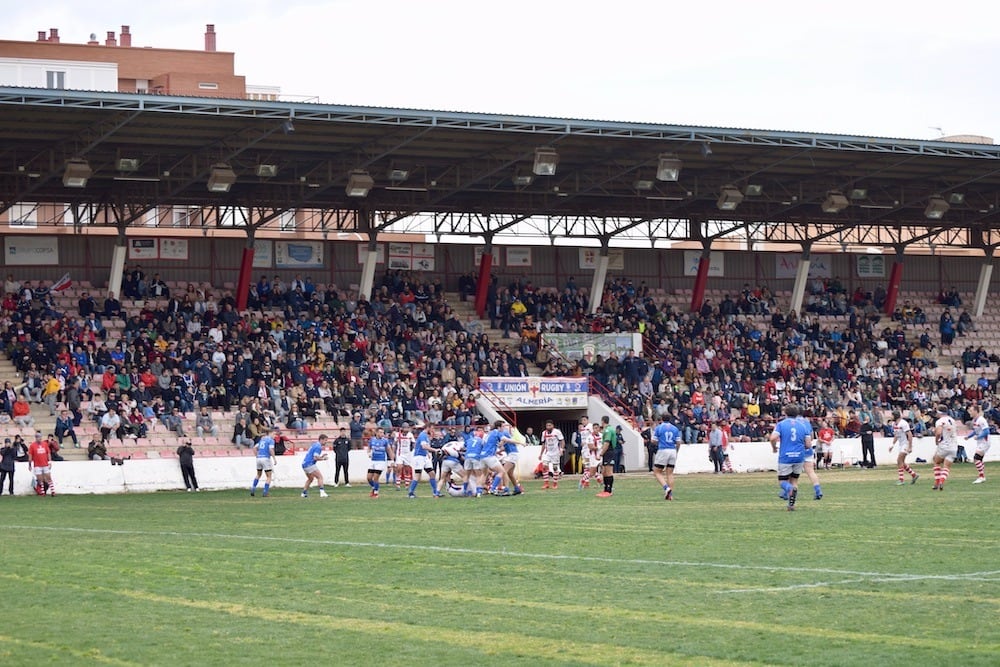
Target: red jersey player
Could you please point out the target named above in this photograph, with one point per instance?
(39, 459)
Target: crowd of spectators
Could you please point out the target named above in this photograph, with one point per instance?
(305, 351)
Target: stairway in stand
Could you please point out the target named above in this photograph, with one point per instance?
(466, 309)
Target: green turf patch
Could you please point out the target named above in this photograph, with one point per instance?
(871, 574)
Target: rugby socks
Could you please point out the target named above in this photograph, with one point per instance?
(980, 466)
(253, 485)
(905, 469)
(413, 488)
(792, 495)
(786, 488)
(434, 485)
(267, 488)
(818, 491)
(609, 483)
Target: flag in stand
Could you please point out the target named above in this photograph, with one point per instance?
(63, 283)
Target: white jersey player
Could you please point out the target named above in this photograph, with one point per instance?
(946, 437)
(553, 446)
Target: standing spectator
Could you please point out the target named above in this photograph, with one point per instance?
(357, 427)
(186, 455)
(96, 451)
(867, 442)
(8, 455)
(715, 454)
(204, 424)
(341, 449)
(51, 392)
(64, 427)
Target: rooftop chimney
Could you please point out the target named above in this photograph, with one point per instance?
(42, 37)
(210, 37)
(54, 35)
(93, 40)
(126, 36)
(110, 41)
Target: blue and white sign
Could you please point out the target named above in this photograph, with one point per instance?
(536, 392)
(298, 254)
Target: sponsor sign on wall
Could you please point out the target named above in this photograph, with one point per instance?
(176, 249)
(787, 266)
(411, 256)
(143, 249)
(298, 254)
(871, 266)
(716, 266)
(379, 253)
(536, 392)
(31, 250)
(576, 346)
(478, 255)
(518, 256)
(263, 254)
(616, 258)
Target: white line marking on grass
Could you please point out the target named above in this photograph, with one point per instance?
(886, 578)
(876, 576)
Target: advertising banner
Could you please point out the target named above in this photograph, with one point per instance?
(716, 267)
(576, 346)
(536, 392)
(871, 266)
(31, 250)
(143, 249)
(379, 253)
(298, 254)
(263, 254)
(518, 256)
(787, 266)
(176, 249)
(616, 258)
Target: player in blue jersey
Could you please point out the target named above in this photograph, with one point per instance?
(422, 460)
(499, 436)
(512, 454)
(668, 438)
(311, 469)
(265, 461)
(791, 438)
(380, 450)
(473, 462)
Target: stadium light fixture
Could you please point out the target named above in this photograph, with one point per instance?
(729, 198)
(835, 202)
(522, 180)
(127, 164)
(221, 178)
(858, 193)
(956, 198)
(77, 173)
(936, 208)
(359, 184)
(753, 190)
(398, 175)
(668, 168)
(546, 160)
(267, 170)
(643, 184)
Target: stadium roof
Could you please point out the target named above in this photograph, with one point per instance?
(449, 173)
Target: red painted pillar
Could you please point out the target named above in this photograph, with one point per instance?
(483, 286)
(892, 291)
(700, 282)
(246, 276)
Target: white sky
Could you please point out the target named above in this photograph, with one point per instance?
(886, 69)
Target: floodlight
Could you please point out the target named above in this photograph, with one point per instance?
(835, 202)
(956, 198)
(668, 168)
(221, 178)
(729, 198)
(127, 164)
(753, 190)
(77, 173)
(546, 160)
(936, 208)
(267, 170)
(359, 184)
(643, 184)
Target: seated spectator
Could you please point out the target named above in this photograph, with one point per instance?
(134, 425)
(241, 434)
(64, 428)
(111, 423)
(97, 451)
(112, 306)
(204, 425)
(22, 413)
(174, 421)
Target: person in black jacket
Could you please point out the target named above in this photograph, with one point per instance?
(8, 454)
(186, 455)
(341, 448)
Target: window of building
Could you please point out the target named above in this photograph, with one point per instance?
(24, 216)
(208, 86)
(287, 221)
(55, 79)
(83, 216)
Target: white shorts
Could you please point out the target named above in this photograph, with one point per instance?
(42, 470)
(982, 446)
(789, 469)
(265, 464)
(404, 460)
(310, 469)
(826, 447)
(665, 458)
(448, 466)
(512, 457)
(378, 465)
(593, 461)
(904, 448)
(423, 463)
(473, 464)
(946, 452)
(551, 459)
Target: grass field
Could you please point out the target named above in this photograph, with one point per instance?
(871, 574)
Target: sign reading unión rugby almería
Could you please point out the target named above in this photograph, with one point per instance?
(536, 392)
